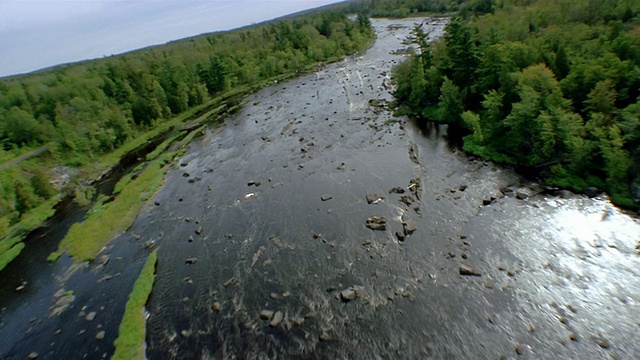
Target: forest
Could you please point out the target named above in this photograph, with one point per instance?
(73, 115)
(550, 87)
(406, 8)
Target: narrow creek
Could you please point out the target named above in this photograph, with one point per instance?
(264, 250)
(32, 289)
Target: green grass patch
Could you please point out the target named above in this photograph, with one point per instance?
(54, 256)
(624, 200)
(36, 217)
(187, 139)
(162, 147)
(11, 245)
(85, 240)
(7, 244)
(132, 332)
(8, 256)
(122, 183)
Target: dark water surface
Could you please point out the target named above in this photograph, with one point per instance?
(558, 276)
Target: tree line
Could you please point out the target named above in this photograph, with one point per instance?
(405, 8)
(89, 109)
(552, 86)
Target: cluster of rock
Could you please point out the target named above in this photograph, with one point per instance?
(409, 226)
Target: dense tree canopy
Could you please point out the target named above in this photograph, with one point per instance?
(549, 85)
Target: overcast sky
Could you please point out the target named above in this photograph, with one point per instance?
(39, 34)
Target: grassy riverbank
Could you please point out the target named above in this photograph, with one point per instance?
(132, 332)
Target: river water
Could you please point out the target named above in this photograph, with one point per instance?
(269, 213)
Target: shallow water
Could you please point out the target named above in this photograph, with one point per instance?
(552, 269)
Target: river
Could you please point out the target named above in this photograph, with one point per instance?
(264, 249)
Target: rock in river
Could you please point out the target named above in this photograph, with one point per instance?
(326, 197)
(377, 223)
(521, 195)
(216, 306)
(410, 226)
(373, 198)
(591, 192)
(351, 293)
(266, 314)
(348, 294)
(91, 316)
(469, 270)
(276, 319)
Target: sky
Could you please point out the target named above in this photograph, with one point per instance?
(44, 33)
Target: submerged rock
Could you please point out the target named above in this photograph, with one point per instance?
(62, 304)
(191, 261)
(396, 190)
(377, 223)
(324, 336)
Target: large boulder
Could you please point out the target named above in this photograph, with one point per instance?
(591, 192)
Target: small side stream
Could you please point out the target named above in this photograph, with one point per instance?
(26, 321)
